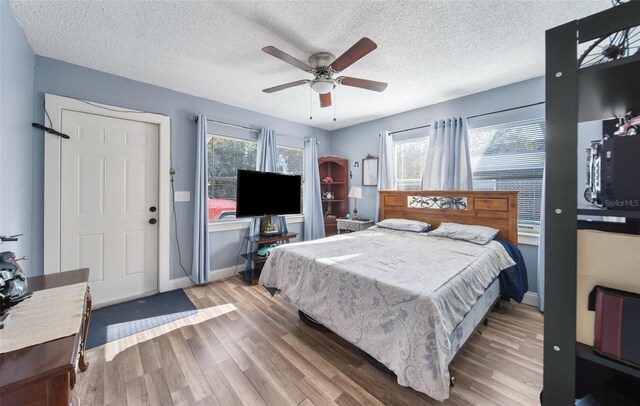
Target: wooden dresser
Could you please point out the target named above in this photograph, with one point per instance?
(45, 374)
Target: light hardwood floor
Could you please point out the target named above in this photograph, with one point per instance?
(245, 348)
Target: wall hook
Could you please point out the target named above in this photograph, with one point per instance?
(50, 130)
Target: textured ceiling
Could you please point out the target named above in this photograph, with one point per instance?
(428, 51)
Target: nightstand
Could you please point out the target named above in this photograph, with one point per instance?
(349, 226)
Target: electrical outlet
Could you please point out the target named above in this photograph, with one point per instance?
(182, 196)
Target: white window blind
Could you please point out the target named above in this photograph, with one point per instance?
(511, 157)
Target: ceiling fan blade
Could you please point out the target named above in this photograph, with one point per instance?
(273, 51)
(325, 100)
(357, 51)
(286, 86)
(362, 83)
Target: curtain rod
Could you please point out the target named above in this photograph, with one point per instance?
(477, 115)
(195, 118)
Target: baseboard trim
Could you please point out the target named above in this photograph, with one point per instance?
(223, 273)
(178, 283)
(216, 274)
(531, 299)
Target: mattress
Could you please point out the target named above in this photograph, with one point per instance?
(396, 295)
(478, 311)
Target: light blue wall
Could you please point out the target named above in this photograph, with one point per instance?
(16, 137)
(230, 245)
(357, 141)
(64, 79)
(530, 256)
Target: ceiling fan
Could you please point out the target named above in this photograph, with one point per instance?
(323, 66)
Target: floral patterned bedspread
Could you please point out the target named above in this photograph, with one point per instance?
(396, 295)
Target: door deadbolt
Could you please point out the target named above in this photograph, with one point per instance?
(153, 221)
(152, 209)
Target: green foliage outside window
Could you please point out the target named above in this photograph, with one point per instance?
(226, 155)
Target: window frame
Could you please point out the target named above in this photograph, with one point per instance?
(396, 144)
(239, 224)
(529, 232)
(528, 235)
(211, 136)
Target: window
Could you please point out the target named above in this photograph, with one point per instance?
(511, 157)
(226, 155)
(410, 158)
(291, 162)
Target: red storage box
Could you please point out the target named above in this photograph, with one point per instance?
(617, 326)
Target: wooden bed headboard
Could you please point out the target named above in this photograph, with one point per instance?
(496, 209)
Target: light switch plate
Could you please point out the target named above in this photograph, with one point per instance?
(182, 196)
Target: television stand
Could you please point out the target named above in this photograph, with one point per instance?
(251, 273)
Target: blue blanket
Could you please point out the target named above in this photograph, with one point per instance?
(513, 281)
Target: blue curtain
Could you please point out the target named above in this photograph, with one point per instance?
(386, 168)
(266, 161)
(200, 261)
(267, 156)
(448, 165)
(312, 203)
(541, 250)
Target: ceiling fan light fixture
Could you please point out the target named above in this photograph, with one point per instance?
(322, 85)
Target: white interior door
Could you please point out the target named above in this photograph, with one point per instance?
(108, 195)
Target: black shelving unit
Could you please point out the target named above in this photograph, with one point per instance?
(575, 95)
(586, 352)
(251, 273)
(597, 211)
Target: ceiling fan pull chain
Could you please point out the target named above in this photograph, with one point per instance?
(310, 104)
(335, 101)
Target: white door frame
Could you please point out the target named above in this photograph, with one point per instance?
(55, 105)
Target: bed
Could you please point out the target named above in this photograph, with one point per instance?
(409, 300)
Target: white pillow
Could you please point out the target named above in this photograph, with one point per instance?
(404, 225)
(475, 234)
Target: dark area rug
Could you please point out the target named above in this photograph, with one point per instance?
(124, 319)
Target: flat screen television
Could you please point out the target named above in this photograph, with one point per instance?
(266, 193)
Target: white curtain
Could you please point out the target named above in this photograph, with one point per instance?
(266, 161)
(541, 250)
(448, 165)
(312, 203)
(386, 168)
(200, 261)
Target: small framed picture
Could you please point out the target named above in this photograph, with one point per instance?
(370, 171)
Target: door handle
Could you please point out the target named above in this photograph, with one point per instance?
(153, 221)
